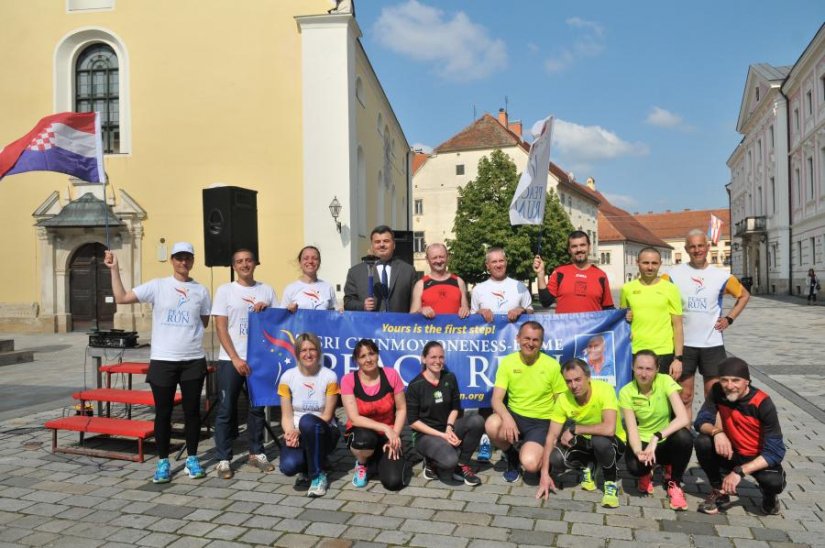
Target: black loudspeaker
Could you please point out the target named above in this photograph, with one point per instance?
(230, 222)
(403, 245)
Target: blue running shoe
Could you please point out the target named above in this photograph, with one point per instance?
(359, 478)
(485, 449)
(162, 473)
(513, 472)
(193, 467)
(319, 485)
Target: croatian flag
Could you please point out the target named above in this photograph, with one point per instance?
(68, 142)
(714, 228)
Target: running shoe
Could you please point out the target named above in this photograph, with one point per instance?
(301, 480)
(713, 501)
(162, 472)
(676, 496)
(193, 467)
(770, 504)
(318, 487)
(464, 473)
(224, 470)
(359, 478)
(645, 484)
(611, 495)
(587, 482)
(260, 462)
(429, 472)
(485, 449)
(513, 472)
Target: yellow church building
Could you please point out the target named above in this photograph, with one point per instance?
(276, 96)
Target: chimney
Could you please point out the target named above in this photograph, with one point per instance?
(502, 117)
(515, 127)
(591, 183)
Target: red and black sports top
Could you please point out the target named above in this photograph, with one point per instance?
(381, 406)
(443, 296)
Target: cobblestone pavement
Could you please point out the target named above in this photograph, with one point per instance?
(53, 499)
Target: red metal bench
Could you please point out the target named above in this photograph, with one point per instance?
(126, 428)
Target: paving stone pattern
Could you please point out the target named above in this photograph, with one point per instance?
(60, 500)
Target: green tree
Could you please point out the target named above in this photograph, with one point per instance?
(482, 220)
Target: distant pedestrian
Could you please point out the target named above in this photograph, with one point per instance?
(813, 286)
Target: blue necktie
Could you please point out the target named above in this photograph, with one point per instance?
(385, 287)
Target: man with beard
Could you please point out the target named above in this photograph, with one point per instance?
(739, 433)
(576, 287)
(440, 292)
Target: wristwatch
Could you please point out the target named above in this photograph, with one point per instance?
(738, 471)
(658, 436)
(730, 320)
(680, 357)
(573, 429)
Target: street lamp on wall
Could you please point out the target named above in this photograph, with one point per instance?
(335, 211)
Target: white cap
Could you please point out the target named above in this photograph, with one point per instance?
(182, 247)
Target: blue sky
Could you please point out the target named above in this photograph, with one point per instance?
(646, 93)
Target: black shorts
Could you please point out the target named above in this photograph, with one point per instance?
(664, 361)
(166, 374)
(531, 429)
(706, 360)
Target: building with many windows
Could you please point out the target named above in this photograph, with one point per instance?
(454, 163)
(274, 96)
(673, 226)
(777, 186)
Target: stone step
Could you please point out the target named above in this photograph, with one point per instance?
(16, 356)
(6, 345)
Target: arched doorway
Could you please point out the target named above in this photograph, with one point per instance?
(90, 289)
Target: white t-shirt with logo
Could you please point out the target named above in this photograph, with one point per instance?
(236, 301)
(177, 307)
(315, 296)
(500, 296)
(702, 291)
(308, 394)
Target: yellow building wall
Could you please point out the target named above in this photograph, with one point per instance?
(215, 91)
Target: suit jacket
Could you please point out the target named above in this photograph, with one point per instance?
(402, 280)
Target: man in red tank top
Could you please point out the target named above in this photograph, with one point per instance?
(440, 292)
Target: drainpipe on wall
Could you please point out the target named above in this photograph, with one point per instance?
(790, 189)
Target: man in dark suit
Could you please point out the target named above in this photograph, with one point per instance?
(393, 278)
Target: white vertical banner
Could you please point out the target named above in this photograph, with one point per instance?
(527, 207)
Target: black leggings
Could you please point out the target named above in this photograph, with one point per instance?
(468, 429)
(771, 480)
(603, 450)
(675, 451)
(164, 402)
(390, 471)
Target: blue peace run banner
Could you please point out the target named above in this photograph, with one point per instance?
(473, 348)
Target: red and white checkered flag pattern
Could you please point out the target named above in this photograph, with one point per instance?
(44, 140)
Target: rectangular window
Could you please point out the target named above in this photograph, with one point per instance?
(678, 258)
(796, 119)
(798, 188)
(772, 138)
(810, 178)
(799, 252)
(773, 195)
(419, 207)
(459, 169)
(759, 207)
(757, 93)
(809, 101)
(418, 242)
(812, 244)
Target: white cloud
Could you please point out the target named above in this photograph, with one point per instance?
(426, 149)
(663, 118)
(459, 49)
(621, 200)
(589, 43)
(580, 145)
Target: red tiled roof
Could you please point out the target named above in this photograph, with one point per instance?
(419, 159)
(617, 225)
(488, 133)
(676, 224)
